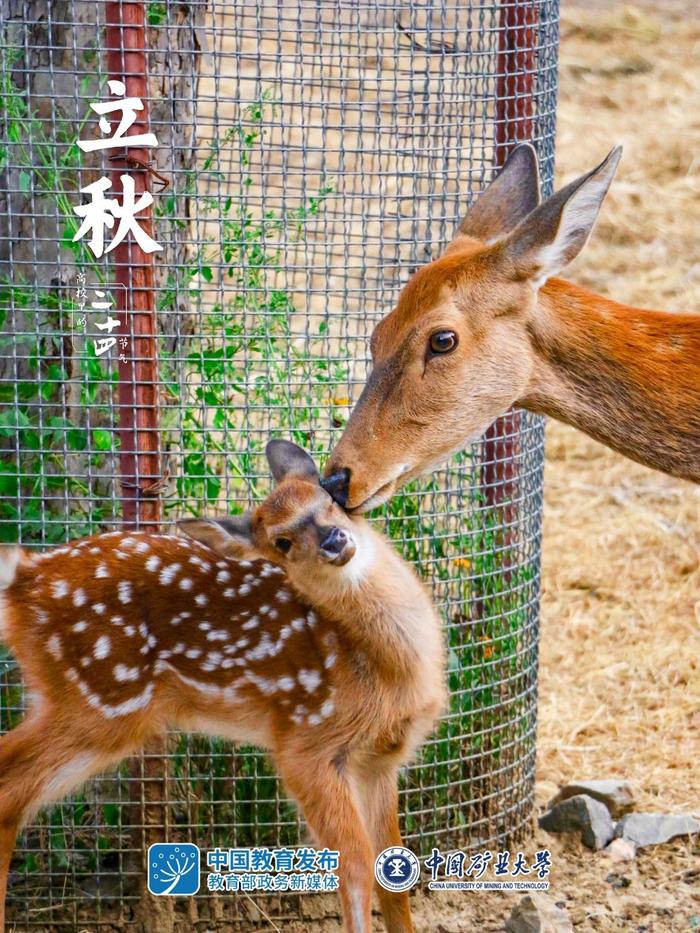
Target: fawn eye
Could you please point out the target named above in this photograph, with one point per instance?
(283, 544)
(443, 341)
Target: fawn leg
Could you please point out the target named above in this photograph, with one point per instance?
(379, 793)
(40, 760)
(334, 818)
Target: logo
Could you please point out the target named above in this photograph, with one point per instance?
(173, 868)
(396, 869)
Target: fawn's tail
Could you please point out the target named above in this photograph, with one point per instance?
(15, 562)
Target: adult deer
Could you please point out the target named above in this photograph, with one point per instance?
(296, 627)
(485, 327)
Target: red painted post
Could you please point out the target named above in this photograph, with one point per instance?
(134, 278)
(515, 74)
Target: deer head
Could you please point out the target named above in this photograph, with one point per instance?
(298, 526)
(454, 353)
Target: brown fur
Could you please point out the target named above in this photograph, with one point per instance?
(337, 731)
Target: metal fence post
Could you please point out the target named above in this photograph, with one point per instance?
(134, 278)
(515, 74)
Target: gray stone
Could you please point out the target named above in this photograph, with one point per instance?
(581, 814)
(536, 913)
(650, 829)
(617, 795)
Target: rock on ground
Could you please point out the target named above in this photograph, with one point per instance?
(617, 795)
(536, 913)
(649, 829)
(581, 814)
(621, 850)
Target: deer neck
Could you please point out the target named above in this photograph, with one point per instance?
(379, 603)
(628, 377)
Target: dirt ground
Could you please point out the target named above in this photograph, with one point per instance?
(620, 655)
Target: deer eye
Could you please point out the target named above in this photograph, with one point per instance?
(443, 341)
(283, 544)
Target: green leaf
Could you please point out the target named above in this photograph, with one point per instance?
(25, 182)
(101, 439)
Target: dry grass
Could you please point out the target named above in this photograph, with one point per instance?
(620, 674)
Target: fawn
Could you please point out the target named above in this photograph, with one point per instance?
(485, 327)
(295, 627)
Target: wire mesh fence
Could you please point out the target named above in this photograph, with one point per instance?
(314, 154)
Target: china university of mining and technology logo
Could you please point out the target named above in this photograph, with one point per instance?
(397, 869)
(173, 868)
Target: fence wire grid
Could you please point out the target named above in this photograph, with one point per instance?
(316, 153)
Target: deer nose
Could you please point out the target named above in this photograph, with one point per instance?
(338, 486)
(335, 542)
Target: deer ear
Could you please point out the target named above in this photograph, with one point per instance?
(286, 459)
(510, 197)
(556, 232)
(231, 536)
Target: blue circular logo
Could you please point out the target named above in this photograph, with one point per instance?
(397, 869)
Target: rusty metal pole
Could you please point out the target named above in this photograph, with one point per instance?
(139, 455)
(134, 275)
(515, 74)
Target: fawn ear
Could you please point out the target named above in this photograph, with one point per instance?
(231, 536)
(286, 459)
(556, 232)
(510, 197)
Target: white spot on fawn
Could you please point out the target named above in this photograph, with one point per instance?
(53, 646)
(223, 576)
(80, 627)
(130, 706)
(153, 563)
(122, 673)
(185, 583)
(102, 647)
(99, 608)
(167, 574)
(59, 589)
(309, 680)
(124, 591)
(79, 598)
(101, 572)
(201, 599)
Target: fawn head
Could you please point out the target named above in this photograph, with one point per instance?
(453, 354)
(298, 526)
